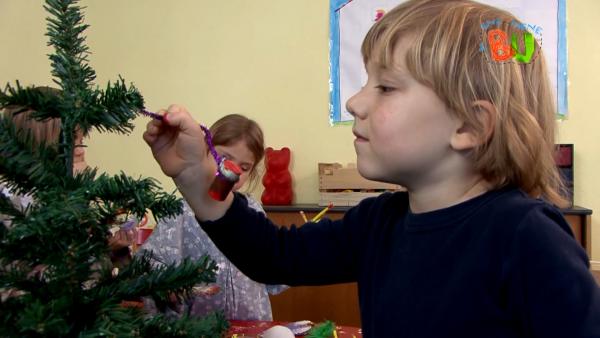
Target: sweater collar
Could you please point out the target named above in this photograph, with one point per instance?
(451, 215)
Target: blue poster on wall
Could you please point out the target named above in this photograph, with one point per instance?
(349, 21)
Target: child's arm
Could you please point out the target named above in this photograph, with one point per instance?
(265, 252)
(177, 143)
(553, 290)
(313, 254)
(272, 289)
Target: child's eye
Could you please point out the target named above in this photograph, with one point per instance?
(384, 89)
(246, 168)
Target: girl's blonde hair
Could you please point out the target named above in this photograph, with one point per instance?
(235, 127)
(445, 40)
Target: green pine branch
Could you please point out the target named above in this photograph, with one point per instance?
(112, 109)
(56, 226)
(56, 279)
(122, 191)
(70, 60)
(25, 167)
(135, 280)
(44, 103)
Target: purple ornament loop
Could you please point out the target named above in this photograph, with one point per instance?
(211, 147)
(151, 114)
(207, 134)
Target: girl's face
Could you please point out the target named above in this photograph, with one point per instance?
(241, 155)
(402, 128)
(79, 153)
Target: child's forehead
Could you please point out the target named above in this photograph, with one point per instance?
(390, 52)
(237, 152)
(394, 70)
(393, 63)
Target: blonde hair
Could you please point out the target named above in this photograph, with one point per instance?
(444, 38)
(235, 127)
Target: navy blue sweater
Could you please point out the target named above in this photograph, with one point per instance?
(499, 265)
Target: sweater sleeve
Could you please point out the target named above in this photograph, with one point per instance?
(271, 289)
(313, 254)
(552, 289)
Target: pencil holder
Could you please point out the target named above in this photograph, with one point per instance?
(228, 173)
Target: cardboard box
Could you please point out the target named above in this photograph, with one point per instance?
(343, 186)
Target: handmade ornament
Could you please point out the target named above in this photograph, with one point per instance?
(228, 173)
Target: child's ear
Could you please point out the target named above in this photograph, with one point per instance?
(472, 134)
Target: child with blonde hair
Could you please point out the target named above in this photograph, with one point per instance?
(476, 247)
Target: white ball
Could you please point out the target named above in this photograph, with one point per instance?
(277, 331)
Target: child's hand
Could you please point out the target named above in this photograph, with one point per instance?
(179, 147)
(206, 290)
(178, 144)
(122, 238)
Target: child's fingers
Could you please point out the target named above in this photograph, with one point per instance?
(149, 139)
(175, 116)
(175, 108)
(178, 117)
(150, 135)
(153, 129)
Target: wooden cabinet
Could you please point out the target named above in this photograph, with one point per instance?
(580, 220)
(339, 302)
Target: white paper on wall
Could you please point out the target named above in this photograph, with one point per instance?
(351, 19)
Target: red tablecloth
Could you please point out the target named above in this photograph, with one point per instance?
(252, 328)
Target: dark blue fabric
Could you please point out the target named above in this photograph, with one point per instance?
(499, 265)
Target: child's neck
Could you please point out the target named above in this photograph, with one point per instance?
(450, 193)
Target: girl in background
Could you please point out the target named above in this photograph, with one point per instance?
(47, 132)
(240, 140)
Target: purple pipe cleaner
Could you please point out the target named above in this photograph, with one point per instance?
(207, 134)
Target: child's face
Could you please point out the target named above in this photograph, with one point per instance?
(242, 156)
(402, 128)
(79, 153)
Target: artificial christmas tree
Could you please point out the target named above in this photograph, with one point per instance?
(55, 276)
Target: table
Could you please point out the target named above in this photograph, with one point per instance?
(251, 328)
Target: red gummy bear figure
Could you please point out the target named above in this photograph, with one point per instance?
(277, 179)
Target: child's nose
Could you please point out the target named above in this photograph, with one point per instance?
(356, 105)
